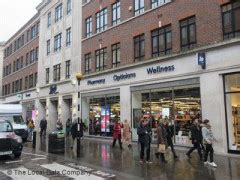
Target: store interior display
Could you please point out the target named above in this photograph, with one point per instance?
(236, 125)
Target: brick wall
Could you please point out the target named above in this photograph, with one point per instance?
(208, 23)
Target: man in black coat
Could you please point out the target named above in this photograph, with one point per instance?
(74, 131)
(196, 137)
(170, 133)
(43, 127)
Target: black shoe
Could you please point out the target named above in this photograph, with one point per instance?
(188, 155)
(157, 155)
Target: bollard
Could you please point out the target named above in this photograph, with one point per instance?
(34, 139)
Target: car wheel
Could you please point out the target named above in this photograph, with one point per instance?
(18, 155)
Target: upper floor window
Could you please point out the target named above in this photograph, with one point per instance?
(101, 57)
(231, 20)
(138, 7)
(33, 32)
(101, 18)
(69, 6)
(68, 37)
(115, 55)
(26, 83)
(88, 26)
(68, 69)
(139, 48)
(47, 75)
(58, 13)
(31, 82)
(35, 79)
(161, 41)
(36, 54)
(57, 72)
(88, 60)
(116, 13)
(188, 33)
(49, 19)
(156, 3)
(57, 42)
(48, 47)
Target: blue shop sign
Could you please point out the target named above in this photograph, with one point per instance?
(160, 69)
(98, 81)
(125, 76)
(202, 59)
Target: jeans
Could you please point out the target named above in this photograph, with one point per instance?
(143, 147)
(196, 145)
(43, 132)
(209, 149)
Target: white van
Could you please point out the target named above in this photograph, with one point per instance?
(13, 114)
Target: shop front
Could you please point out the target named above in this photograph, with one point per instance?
(100, 111)
(232, 107)
(178, 102)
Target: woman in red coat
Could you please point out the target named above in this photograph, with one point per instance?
(117, 133)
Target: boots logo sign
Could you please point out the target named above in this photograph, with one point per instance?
(53, 89)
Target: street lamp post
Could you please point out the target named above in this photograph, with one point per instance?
(78, 77)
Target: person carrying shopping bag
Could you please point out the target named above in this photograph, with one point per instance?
(161, 141)
(208, 140)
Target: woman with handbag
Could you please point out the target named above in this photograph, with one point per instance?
(162, 140)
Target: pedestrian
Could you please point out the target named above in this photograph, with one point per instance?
(117, 133)
(68, 127)
(75, 131)
(208, 140)
(170, 133)
(127, 133)
(31, 127)
(162, 140)
(59, 125)
(196, 137)
(201, 142)
(43, 127)
(144, 138)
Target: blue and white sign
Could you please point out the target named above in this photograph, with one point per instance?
(201, 57)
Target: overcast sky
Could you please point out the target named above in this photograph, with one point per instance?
(14, 14)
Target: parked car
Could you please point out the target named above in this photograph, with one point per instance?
(10, 143)
(13, 114)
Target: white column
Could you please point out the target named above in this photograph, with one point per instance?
(213, 108)
(125, 103)
(85, 110)
(52, 115)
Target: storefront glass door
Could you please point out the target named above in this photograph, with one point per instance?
(232, 103)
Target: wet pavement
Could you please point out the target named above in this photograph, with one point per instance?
(98, 160)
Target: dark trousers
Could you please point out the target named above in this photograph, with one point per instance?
(196, 145)
(143, 147)
(170, 143)
(119, 141)
(209, 149)
(43, 132)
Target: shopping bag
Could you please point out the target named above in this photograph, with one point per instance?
(162, 148)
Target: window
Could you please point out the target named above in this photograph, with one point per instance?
(115, 55)
(101, 18)
(231, 20)
(47, 75)
(37, 28)
(139, 48)
(20, 85)
(58, 13)
(48, 47)
(116, 13)
(28, 37)
(27, 59)
(35, 79)
(14, 66)
(49, 19)
(88, 60)
(68, 37)
(32, 56)
(161, 41)
(69, 6)
(138, 7)
(68, 69)
(101, 57)
(36, 54)
(31, 81)
(13, 87)
(33, 32)
(26, 82)
(188, 33)
(88, 26)
(57, 42)
(57, 72)
(21, 63)
(156, 3)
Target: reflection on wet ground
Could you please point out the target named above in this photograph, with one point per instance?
(99, 154)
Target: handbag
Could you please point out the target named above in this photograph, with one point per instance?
(162, 148)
